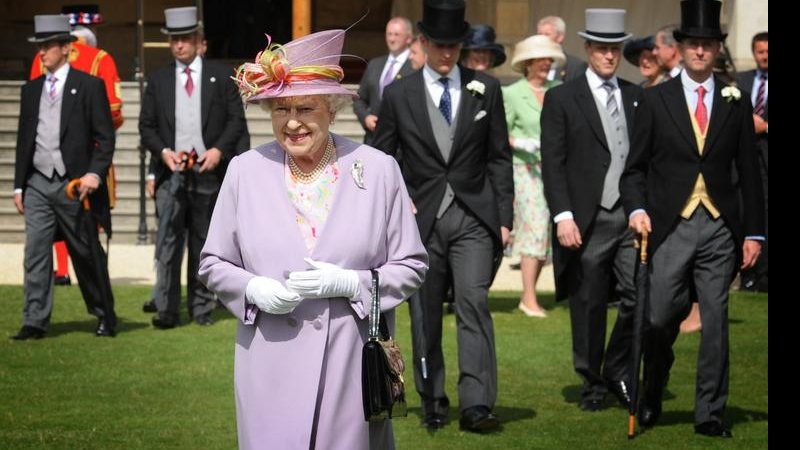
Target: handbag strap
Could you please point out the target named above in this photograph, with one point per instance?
(377, 321)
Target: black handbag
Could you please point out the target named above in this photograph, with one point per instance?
(382, 367)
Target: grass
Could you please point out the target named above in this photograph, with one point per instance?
(150, 389)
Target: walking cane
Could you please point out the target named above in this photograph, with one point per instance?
(642, 286)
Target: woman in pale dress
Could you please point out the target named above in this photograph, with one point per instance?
(298, 225)
(533, 57)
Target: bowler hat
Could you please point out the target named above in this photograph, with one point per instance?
(443, 21)
(635, 47)
(605, 25)
(51, 27)
(481, 37)
(180, 20)
(700, 19)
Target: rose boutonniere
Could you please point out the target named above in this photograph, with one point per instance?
(475, 87)
(731, 93)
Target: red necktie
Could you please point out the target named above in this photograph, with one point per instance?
(189, 83)
(761, 96)
(700, 114)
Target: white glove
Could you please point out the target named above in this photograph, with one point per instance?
(529, 145)
(270, 296)
(327, 281)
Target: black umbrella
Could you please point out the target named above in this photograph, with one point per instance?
(173, 185)
(418, 342)
(642, 286)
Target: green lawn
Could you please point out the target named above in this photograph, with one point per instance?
(149, 389)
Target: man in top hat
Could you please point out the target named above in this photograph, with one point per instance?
(446, 124)
(480, 52)
(689, 134)
(756, 82)
(584, 140)
(86, 57)
(382, 71)
(190, 110)
(65, 133)
(555, 28)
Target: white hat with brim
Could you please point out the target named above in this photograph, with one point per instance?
(536, 47)
(181, 20)
(51, 27)
(605, 25)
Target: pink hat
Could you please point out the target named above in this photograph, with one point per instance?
(305, 66)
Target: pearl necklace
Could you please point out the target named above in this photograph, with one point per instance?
(310, 177)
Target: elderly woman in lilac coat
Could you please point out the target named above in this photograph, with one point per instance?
(298, 225)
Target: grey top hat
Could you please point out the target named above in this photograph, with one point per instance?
(51, 27)
(181, 20)
(605, 25)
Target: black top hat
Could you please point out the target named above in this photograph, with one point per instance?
(443, 21)
(481, 37)
(700, 19)
(82, 14)
(635, 47)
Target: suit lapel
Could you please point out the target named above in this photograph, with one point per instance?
(468, 107)
(627, 105)
(719, 115)
(205, 92)
(675, 103)
(168, 96)
(67, 100)
(588, 106)
(418, 110)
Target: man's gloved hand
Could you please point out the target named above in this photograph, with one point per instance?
(271, 296)
(325, 281)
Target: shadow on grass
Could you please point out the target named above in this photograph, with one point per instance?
(733, 416)
(507, 301)
(506, 414)
(89, 325)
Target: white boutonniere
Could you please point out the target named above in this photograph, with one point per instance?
(476, 87)
(731, 93)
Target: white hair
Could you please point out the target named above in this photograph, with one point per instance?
(84, 33)
(557, 23)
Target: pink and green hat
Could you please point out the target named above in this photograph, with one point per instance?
(305, 66)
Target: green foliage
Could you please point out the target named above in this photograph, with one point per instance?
(149, 389)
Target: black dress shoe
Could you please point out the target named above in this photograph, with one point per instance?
(434, 421)
(204, 320)
(28, 332)
(620, 390)
(649, 414)
(150, 306)
(104, 330)
(62, 281)
(592, 404)
(479, 419)
(713, 429)
(164, 321)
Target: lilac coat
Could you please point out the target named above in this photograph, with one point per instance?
(285, 365)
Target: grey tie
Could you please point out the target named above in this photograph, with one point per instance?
(611, 103)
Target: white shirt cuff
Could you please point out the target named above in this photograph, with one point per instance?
(566, 215)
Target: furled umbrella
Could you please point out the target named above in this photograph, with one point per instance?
(642, 286)
(175, 181)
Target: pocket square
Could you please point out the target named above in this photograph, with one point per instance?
(481, 114)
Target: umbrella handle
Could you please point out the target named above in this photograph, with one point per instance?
(188, 159)
(73, 194)
(643, 247)
(631, 426)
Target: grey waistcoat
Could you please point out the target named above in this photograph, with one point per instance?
(616, 132)
(444, 134)
(47, 156)
(188, 118)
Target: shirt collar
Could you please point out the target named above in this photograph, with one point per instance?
(595, 82)
(759, 72)
(196, 65)
(61, 73)
(691, 86)
(401, 58)
(431, 76)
